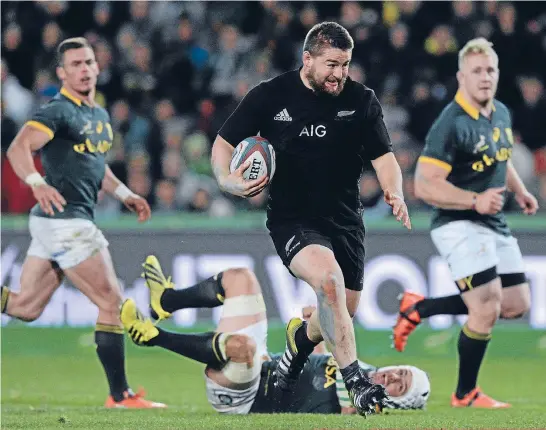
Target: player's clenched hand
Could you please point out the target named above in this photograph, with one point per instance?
(140, 206)
(527, 203)
(490, 201)
(240, 349)
(235, 184)
(399, 208)
(47, 197)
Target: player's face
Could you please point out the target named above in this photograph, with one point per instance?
(328, 71)
(479, 76)
(396, 381)
(79, 70)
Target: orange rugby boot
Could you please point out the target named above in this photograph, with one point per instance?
(477, 399)
(408, 320)
(133, 401)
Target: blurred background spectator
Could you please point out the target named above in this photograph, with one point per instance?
(172, 72)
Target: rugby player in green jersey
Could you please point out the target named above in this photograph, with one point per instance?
(464, 172)
(73, 135)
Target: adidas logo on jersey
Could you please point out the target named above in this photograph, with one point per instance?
(283, 115)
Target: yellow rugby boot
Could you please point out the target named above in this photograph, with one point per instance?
(157, 283)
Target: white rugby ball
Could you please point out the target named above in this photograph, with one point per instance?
(261, 155)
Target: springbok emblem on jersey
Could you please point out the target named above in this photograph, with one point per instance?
(481, 145)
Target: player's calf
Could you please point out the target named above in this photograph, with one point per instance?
(23, 307)
(39, 280)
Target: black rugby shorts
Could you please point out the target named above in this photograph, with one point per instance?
(347, 246)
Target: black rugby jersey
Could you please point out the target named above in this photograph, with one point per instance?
(322, 143)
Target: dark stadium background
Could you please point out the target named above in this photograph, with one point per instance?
(173, 71)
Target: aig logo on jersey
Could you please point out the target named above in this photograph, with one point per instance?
(313, 131)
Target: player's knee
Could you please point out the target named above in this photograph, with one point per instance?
(240, 281)
(110, 300)
(331, 287)
(487, 311)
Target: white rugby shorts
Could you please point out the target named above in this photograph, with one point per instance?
(471, 248)
(68, 242)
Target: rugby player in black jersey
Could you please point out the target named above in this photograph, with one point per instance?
(324, 128)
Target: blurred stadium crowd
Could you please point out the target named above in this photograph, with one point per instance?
(172, 72)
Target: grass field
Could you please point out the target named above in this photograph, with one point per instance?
(51, 379)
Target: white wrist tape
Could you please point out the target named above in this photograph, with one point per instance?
(35, 179)
(123, 193)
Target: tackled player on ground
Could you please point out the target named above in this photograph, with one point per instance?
(240, 372)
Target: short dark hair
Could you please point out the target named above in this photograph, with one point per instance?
(68, 44)
(327, 34)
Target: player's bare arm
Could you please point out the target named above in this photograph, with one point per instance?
(28, 140)
(527, 202)
(390, 178)
(432, 186)
(233, 183)
(135, 203)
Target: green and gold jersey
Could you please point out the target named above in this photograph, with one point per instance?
(474, 150)
(314, 393)
(320, 388)
(73, 159)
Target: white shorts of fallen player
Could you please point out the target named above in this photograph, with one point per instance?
(227, 400)
(471, 248)
(68, 242)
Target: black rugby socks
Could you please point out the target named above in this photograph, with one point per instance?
(202, 347)
(111, 352)
(206, 294)
(471, 347)
(450, 305)
(304, 344)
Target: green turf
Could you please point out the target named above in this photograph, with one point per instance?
(51, 379)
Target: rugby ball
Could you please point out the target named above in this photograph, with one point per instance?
(261, 155)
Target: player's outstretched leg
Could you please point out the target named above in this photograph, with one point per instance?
(207, 347)
(415, 307)
(164, 299)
